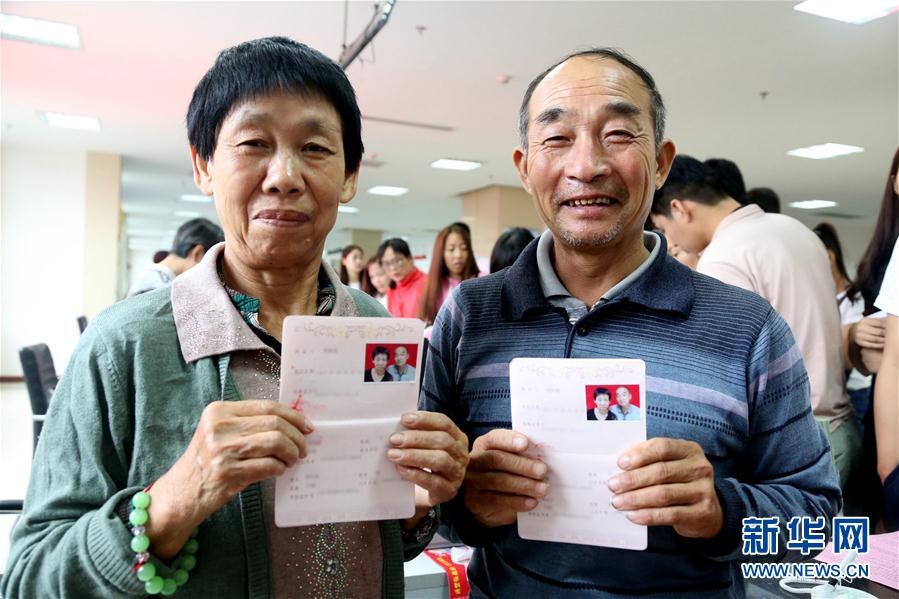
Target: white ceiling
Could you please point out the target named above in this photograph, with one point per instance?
(438, 63)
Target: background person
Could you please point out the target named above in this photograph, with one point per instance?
(765, 198)
(192, 240)
(406, 281)
(851, 311)
(508, 247)
(375, 281)
(179, 390)
(866, 337)
(781, 260)
(452, 262)
(352, 259)
(886, 396)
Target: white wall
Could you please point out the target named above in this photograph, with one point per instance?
(41, 251)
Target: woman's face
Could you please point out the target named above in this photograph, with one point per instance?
(397, 265)
(378, 278)
(455, 255)
(380, 363)
(354, 261)
(277, 175)
(602, 402)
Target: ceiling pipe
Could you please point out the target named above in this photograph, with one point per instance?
(377, 23)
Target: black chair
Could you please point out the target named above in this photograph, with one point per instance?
(41, 380)
(82, 323)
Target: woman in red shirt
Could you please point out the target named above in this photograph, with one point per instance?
(406, 281)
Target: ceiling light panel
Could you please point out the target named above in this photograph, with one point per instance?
(387, 190)
(200, 199)
(72, 121)
(451, 164)
(38, 31)
(856, 12)
(813, 204)
(824, 151)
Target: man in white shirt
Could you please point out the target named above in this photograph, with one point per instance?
(192, 240)
(780, 259)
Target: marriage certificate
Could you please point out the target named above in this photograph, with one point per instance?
(353, 378)
(579, 416)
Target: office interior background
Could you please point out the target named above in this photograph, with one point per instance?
(83, 210)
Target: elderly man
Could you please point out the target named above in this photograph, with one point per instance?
(400, 370)
(623, 409)
(727, 411)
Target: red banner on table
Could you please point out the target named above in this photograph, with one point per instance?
(456, 576)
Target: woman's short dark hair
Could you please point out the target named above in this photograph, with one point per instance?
(398, 246)
(601, 391)
(380, 350)
(265, 66)
(508, 247)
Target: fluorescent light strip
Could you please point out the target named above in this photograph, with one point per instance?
(186, 214)
(823, 151)
(196, 198)
(387, 190)
(72, 121)
(38, 31)
(347, 209)
(451, 164)
(856, 12)
(813, 204)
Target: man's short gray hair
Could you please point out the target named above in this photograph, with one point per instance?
(657, 106)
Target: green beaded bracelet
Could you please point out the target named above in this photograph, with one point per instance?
(140, 544)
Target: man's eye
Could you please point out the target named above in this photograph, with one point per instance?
(620, 135)
(555, 140)
(311, 147)
(251, 143)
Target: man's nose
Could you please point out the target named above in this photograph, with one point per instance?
(285, 174)
(587, 160)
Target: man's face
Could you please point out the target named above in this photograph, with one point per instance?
(380, 363)
(591, 163)
(623, 397)
(400, 356)
(277, 175)
(680, 230)
(602, 401)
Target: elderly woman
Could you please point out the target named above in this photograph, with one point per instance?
(155, 471)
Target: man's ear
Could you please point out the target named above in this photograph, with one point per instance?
(520, 159)
(681, 211)
(350, 185)
(196, 254)
(202, 177)
(664, 159)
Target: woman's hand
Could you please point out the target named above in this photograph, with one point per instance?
(433, 454)
(869, 333)
(235, 444)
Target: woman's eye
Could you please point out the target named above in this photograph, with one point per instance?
(317, 148)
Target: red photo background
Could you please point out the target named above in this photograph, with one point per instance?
(634, 389)
(391, 347)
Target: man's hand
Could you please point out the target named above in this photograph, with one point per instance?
(433, 454)
(501, 481)
(668, 482)
(235, 444)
